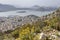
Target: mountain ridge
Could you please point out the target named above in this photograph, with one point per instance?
(5, 7)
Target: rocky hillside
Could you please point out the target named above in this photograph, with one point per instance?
(31, 27)
(48, 28)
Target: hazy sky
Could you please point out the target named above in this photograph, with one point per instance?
(28, 3)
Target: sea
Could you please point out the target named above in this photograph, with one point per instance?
(24, 13)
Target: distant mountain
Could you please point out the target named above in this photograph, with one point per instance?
(5, 7)
(43, 8)
(39, 8)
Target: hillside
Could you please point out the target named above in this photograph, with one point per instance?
(31, 27)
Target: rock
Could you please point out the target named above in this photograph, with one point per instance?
(53, 36)
(42, 36)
